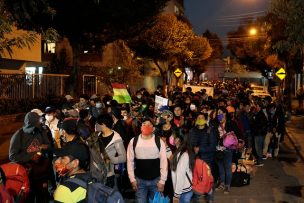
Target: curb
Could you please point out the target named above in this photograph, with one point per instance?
(294, 143)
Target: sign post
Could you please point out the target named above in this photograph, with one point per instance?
(178, 72)
(281, 74)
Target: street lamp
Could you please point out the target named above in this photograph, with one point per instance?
(253, 32)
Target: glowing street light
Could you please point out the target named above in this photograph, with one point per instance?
(253, 32)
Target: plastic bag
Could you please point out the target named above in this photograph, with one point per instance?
(159, 198)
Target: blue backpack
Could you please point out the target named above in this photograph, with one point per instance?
(98, 192)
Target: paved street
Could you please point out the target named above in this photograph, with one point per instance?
(278, 181)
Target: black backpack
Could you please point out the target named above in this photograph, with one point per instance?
(98, 192)
(156, 138)
(97, 166)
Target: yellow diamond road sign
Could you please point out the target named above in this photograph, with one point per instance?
(281, 73)
(178, 72)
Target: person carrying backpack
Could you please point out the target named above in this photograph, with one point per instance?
(182, 165)
(203, 140)
(112, 144)
(30, 146)
(147, 163)
(72, 162)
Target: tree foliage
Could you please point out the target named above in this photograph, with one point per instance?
(9, 41)
(250, 50)
(171, 43)
(287, 42)
(215, 43)
(83, 20)
(201, 51)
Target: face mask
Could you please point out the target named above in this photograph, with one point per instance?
(49, 118)
(97, 127)
(192, 107)
(98, 105)
(82, 104)
(146, 130)
(171, 140)
(200, 122)
(220, 117)
(162, 121)
(138, 96)
(125, 117)
(62, 169)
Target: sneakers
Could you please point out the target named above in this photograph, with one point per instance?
(220, 187)
(264, 157)
(226, 190)
(259, 164)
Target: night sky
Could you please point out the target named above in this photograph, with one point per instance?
(222, 16)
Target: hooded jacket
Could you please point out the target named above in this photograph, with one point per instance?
(27, 140)
(115, 150)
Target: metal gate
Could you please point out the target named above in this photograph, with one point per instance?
(89, 84)
(21, 86)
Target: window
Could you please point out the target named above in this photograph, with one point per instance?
(176, 10)
(49, 47)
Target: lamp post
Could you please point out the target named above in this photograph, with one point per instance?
(253, 32)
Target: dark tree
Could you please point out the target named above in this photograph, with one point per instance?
(81, 20)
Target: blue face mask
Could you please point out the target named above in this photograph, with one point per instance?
(220, 117)
(162, 121)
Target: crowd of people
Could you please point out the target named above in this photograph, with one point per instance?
(146, 149)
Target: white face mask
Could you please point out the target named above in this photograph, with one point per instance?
(97, 127)
(192, 107)
(49, 118)
(125, 117)
(98, 105)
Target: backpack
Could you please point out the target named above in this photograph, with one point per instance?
(156, 138)
(97, 165)
(16, 180)
(5, 197)
(202, 180)
(98, 192)
(230, 140)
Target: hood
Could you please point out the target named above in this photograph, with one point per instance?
(31, 121)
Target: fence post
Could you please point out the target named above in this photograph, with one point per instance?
(61, 85)
(33, 88)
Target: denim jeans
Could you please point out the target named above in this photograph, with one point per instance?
(248, 139)
(224, 166)
(145, 189)
(259, 145)
(186, 197)
(201, 198)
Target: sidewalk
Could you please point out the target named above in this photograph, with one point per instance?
(295, 132)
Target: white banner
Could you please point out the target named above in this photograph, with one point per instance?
(159, 102)
(195, 88)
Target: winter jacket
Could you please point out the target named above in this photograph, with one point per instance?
(27, 140)
(206, 140)
(116, 152)
(259, 124)
(182, 176)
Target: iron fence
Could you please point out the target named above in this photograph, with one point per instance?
(21, 86)
(89, 84)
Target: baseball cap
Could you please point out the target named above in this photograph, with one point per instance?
(50, 109)
(37, 111)
(167, 113)
(68, 97)
(75, 149)
(94, 96)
